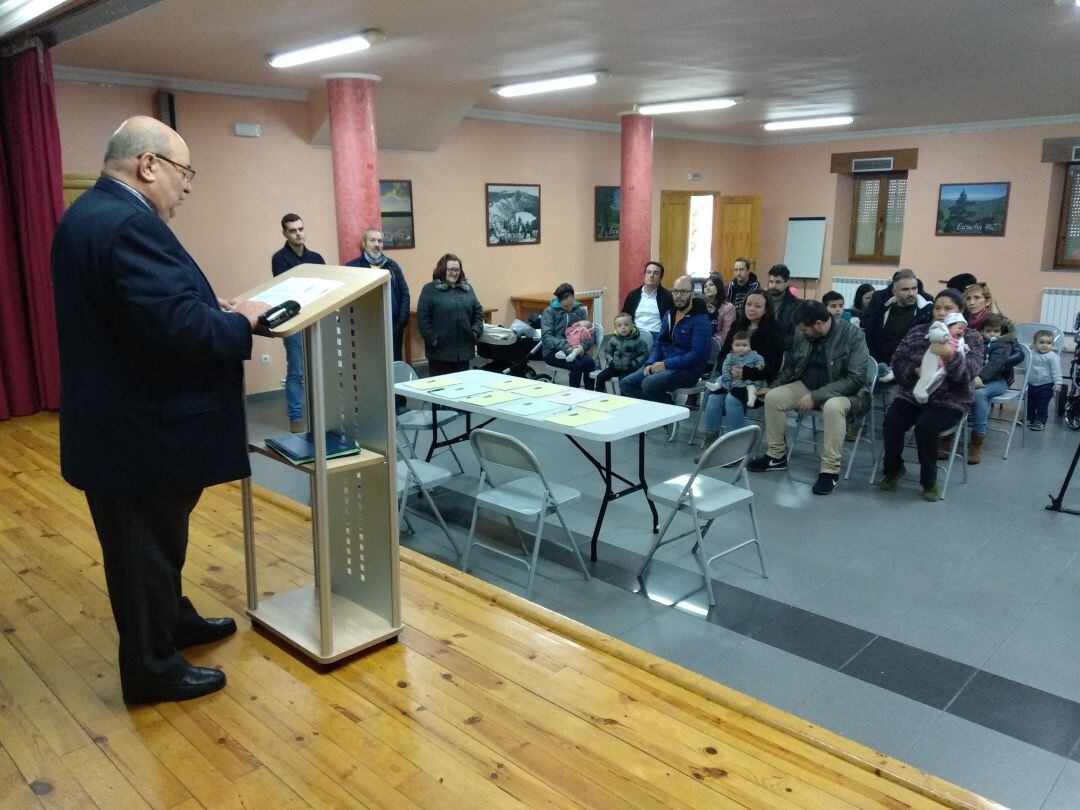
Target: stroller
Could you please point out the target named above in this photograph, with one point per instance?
(1072, 394)
(508, 350)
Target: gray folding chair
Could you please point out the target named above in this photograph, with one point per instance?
(705, 498)
(417, 418)
(699, 389)
(1018, 398)
(417, 476)
(861, 422)
(513, 485)
(1025, 334)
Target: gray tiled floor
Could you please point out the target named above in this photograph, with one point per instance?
(985, 580)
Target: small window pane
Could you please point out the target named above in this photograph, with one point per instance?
(866, 216)
(894, 216)
(699, 251)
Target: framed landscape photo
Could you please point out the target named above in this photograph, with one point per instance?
(513, 214)
(972, 209)
(395, 207)
(606, 213)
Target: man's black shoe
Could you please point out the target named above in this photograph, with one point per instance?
(767, 463)
(196, 682)
(826, 483)
(210, 630)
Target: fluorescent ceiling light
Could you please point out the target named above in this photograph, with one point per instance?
(809, 123)
(550, 85)
(17, 13)
(327, 50)
(694, 105)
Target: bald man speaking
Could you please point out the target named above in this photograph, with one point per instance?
(151, 402)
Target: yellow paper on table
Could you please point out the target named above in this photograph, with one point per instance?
(431, 382)
(510, 384)
(540, 389)
(607, 403)
(490, 398)
(576, 418)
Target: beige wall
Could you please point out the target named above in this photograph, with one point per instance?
(244, 185)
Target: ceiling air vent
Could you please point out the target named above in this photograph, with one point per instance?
(1076, 154)
(883, 164)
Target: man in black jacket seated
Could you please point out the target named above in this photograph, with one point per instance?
(888, 319)
(782, 302)
(651, 301)
(151, 401)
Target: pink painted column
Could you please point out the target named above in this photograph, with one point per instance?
(635, 221)
(355, 158)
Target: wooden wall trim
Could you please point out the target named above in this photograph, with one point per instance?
(903, 159)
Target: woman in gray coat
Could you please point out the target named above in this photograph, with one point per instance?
(450, 318)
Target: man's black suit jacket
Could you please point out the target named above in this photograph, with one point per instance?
(151, 375)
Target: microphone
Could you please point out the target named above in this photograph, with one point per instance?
(276, 316)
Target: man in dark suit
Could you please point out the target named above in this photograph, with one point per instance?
(371, 255)
(151, 407)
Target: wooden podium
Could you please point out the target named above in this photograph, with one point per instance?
(355, 601)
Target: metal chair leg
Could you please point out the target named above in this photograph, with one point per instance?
(573, 545)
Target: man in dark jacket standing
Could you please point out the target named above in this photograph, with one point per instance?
(782, 302)
(680, 355)
(371, 245)
(826, 371)
(741, 285)
(152, 407)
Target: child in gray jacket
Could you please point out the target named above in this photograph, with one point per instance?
(625, 352)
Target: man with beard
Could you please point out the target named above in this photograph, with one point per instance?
(372, 256)
(743, 283)
(781, 302)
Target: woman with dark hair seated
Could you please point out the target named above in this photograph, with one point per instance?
(723, 410)
(721, 311)
(946, 405)
(563, 313)
(449, 317)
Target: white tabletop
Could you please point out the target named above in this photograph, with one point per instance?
(642, 415)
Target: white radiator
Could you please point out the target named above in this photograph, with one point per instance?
(1059, 307)
(847, 287)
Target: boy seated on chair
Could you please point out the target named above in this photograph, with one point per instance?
(625, 352)
(826, 371)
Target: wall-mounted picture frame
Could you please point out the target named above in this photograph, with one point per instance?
(512, 214)
(606, 210)
(972, 209)
(396, 209)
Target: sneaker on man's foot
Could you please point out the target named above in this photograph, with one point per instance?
(826, 483)
(931, 493)
(767, 463)
(890, 482)
(1038, 426)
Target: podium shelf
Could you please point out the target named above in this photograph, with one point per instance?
(294, 616)
(365, 458)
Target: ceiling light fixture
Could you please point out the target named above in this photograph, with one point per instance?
(693, 105)
(550, 85)
(327, 50)
(809, 123)
(17, 13)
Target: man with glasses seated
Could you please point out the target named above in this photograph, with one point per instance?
(680, 355)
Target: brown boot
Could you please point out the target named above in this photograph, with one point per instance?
(975, 449)
(944, 447)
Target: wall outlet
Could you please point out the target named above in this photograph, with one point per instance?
(264, 359)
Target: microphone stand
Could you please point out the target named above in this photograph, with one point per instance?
(1055, 503)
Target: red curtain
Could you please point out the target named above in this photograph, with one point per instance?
(31, 202)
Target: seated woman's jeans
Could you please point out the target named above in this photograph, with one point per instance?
(723, 410)
(980, 409)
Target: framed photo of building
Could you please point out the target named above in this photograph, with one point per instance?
(606, 213)
(512, 214)
(395, 207)
(972, 209)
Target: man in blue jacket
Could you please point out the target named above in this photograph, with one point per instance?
(151, 399)
(372, 256)
(680, 355)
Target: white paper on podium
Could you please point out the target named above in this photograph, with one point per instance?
(303, 291)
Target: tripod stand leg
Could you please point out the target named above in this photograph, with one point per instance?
(1055, 503)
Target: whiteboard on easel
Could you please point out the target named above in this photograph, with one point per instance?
(804, 250)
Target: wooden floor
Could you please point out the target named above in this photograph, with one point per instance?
(486, 701)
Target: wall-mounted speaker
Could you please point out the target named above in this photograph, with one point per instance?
(166, 107)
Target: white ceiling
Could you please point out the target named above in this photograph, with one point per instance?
(892, 63)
